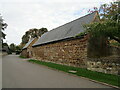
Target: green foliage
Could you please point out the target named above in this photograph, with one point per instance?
(108, 11)
(107, 28)
(32, 33)
(81, 34)
(3, 26)
(98, 76)
(97, 47)
(5, 44)
(100, 32)
(25, 39)
(15, 48)
(12, 47)
(22, 57)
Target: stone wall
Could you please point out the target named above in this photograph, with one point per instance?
(27, 52)
(24, 53)
(109, 64)
(68, 52)
(74, 52)
(29, 48)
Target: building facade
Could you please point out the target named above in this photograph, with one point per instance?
(27, 49)
(61, 45)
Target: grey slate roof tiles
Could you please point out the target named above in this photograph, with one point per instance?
(68, 30)
(28, 43)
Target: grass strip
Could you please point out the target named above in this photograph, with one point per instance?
(98, 76)
(22, 57)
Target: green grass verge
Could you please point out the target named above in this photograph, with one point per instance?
(98, 76)
(22, 57)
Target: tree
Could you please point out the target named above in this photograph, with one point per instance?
(109, 23)
(12, 47)
(103, 31)
(17, 48)
(2, 35)
(109, 29)
(42, 31)
(32, 33)
(108, 11)
(25, 39)
(2, 27)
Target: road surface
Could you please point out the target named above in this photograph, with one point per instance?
(18, 73)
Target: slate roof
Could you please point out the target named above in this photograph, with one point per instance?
(28, 43)
(65, 31)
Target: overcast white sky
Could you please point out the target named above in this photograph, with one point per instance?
(22, 15)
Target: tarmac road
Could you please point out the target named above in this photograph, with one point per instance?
(18, 73)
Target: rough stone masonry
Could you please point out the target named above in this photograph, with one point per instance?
(73, 52)
(60, 45)
(69, 52)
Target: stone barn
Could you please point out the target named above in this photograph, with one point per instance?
(61, 45)
(27, 49)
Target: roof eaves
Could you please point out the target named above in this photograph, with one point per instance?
(27, 44)
(65, 39)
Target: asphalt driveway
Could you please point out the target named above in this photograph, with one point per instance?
(18, 73)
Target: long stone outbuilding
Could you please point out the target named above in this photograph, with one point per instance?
(61, 46)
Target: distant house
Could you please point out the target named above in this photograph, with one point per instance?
(4, 49)
(61, 45)
(27, 49)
